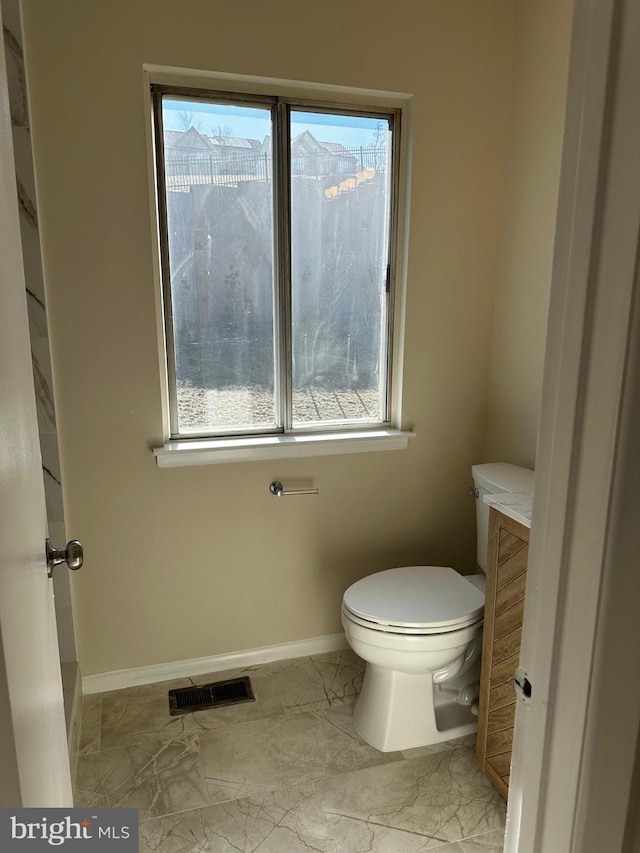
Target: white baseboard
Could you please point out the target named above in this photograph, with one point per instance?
(101, 682)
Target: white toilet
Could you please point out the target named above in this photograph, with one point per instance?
(419, 629)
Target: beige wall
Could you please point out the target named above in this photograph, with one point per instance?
(191, 562)
(541, 56)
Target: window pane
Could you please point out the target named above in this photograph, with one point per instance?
(219, 201)
(340, 219)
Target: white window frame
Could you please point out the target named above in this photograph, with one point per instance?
(194, 449)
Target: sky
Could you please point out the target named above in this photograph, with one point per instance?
(254, 123)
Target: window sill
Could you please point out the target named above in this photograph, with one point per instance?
(183, 452)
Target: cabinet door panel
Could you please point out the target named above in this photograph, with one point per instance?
(502, 718)
(501, 763)
(504, 609)
(503, 694)
(509, 547)
(509, 620)
(508, 645)
(504, 670)
(510, 594)
(499, 742)
(516, 565)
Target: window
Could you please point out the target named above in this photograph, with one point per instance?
(277, 232)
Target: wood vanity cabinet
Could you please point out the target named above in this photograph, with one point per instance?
(503, 611)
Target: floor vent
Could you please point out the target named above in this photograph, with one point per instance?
(214, 695)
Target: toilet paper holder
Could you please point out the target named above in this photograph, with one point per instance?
(277, 490)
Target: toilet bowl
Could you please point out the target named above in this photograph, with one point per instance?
(419, 629)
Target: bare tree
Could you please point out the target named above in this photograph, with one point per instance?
(222, 130)
(380, 134)
(186, 120)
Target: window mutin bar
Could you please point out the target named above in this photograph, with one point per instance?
(279, 313)
(282, 167)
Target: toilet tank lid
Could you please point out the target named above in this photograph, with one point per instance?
(502, 477)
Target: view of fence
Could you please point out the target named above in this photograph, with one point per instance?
(220, 228)
(186, 168)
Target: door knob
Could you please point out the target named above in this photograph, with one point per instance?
(72, 555)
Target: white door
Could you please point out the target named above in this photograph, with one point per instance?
(575, 738)
(34, 764)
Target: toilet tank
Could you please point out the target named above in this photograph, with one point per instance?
(490, 479)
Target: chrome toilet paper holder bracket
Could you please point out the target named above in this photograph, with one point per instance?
(277, 490)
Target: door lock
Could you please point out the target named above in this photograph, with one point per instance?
(72, 555)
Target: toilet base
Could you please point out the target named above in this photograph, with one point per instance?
(398, 710)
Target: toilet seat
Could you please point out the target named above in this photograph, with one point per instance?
(420, 631)
(414, 600)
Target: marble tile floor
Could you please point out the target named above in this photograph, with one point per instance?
(285, 773)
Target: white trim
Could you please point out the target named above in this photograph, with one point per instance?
(212, 451)
(573, 742)
(119, 678)
(555, 459)
(350, 97)
(163, 386)
(403, 215)
(258, 85)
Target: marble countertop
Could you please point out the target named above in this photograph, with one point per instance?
(515, 505)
